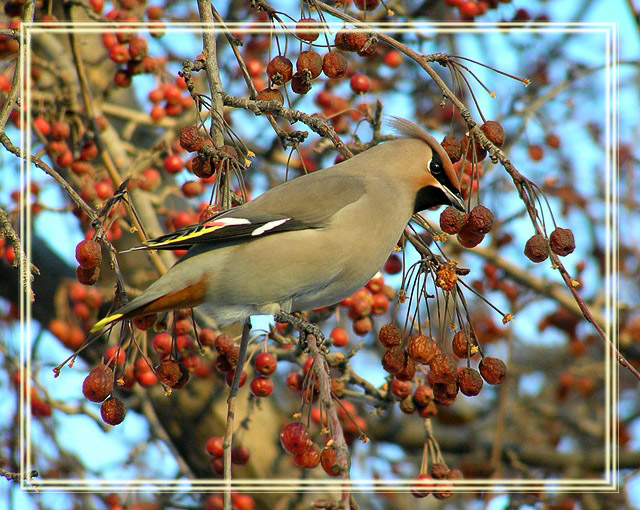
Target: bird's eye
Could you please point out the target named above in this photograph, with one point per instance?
(435, 167)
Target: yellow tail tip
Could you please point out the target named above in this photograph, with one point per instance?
(104, 322)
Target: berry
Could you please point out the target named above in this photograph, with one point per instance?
(438, 470)
(400, 389)
(42, 125)
(472, 151)
(307, 458)
(494, 132)
(535, 152)
(552, 140)
(339, 336)
(480, 220)
(562, 242)
(310, 61)
(460, 345)
(468, 238)
(300, 84)
(389, 336)
(190, 139)
(536, 248)
(423, 395)
(294, 437)
(305, 29)
(393, 58)
(98, 384)
(60, 131)
(393, 265)
(328, 461)
(493, 370)
(443, 368)
(168, 372)
(88, 254)
(173, 164)
(469, 381)
(261, 386)
(269, 94)
(240, 455)
(360, 84)
(451, 220)
(350, 40)
(201, 167)
(408, 406)
(366, 5)
(214, 446)
(265, 363)
(87, 276)
(119, 53)
(113, 411)
(452, 147)
(280, 70)
(469, 9)
(334, 65)
(422, 348)
(422, 486)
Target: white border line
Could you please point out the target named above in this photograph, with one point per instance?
(608, 484)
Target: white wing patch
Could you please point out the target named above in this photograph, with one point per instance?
(268, 226)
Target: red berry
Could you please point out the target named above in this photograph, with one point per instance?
(240, 455)
(393, 58)
(422, 486)
(294, 436)
(265, 363)
(339, 336)
(307, 458)
(334, 65)
(214, 446)
(493, 370)
(360, 83)
(366, 5)
(307, 29)
(173, 164)
(261, 386)
(328, 461)
(469, 9)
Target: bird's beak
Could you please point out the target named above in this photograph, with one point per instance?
(455, 199)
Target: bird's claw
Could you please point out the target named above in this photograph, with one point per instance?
(305, 328)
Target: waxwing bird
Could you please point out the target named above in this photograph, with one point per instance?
(307, 243)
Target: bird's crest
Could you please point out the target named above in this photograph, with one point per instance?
(408, 129)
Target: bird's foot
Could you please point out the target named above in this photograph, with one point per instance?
(305, 328)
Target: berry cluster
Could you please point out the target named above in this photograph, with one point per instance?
(371, 300)
(470, 228)
(214, 446)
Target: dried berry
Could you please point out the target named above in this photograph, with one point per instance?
(480, 219)
(394, 360)
(445, 391)
(168, 372)
(98, 384)
(494, 132)
(452, 147)
(443, 367)
(334, 65)
(408, 370)
(536, 248)
(300, 83)
(469, 381)
(467, 148)
(461, 345)
(190, 139)
(446, 278)
(269, 94)
(310, 61)
(201, 167)
(468, 238)
(88, 254)
(451, 220)
(113, 411)
(307, 29)
(562, 242)
(280, 70)
(408, 406)
(422, 348)
(439, 470)
(389, 336)
(493, 370)
(87, 276)
(350, 40)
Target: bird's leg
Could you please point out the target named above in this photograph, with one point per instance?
(305, 328)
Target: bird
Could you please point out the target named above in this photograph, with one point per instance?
(307, 243)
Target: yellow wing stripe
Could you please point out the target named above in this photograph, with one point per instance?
(184, 237)
(106, 321)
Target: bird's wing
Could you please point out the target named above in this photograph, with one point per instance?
(307, 202)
